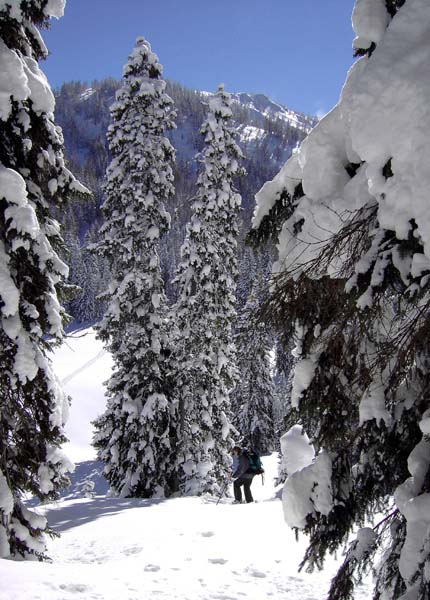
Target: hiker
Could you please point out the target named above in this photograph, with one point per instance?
(241, 475)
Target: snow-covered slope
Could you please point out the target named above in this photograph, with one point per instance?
(82, 365)
(262, 105)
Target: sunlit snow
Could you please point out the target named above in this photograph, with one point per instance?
(182, 548)
(87, 93)
(249, 133)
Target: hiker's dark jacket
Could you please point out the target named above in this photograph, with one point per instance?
(242, 468)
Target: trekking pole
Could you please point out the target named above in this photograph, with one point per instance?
(222, 491)
(262, 478)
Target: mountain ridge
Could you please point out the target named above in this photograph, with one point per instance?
(262, 104)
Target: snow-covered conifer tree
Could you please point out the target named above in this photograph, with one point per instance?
(33, 183)
(353, 288)
(133, 435)
(253, 398)
(205, 309)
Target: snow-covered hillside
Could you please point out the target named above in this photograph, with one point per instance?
(83, 113)
(82, 366)
(176, 549)
(260, 104)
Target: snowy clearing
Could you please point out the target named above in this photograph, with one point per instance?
(182, 548)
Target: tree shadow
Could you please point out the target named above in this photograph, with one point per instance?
(70, 514)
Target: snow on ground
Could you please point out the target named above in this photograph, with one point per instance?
(82, 366)
(183, 548)
(175, 549)
(249, 133)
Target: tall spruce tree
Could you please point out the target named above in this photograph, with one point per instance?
(205, 309)
(353, 288)
(133, 435)
(34, 183)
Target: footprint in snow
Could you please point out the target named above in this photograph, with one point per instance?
(152, 568)
(131, 551)
(255, 573)
(217, 561)
(207, 533)
(73, 587)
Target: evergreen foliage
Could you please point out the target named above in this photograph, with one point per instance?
(133, 436)
(90, 273)
(253, 398)
(34, 183)
(284, 416)
(271, 224)
(353, 291)
(205, 309)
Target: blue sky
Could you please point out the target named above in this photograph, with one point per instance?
(295, 51)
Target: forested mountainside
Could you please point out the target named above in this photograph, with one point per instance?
(267, 134)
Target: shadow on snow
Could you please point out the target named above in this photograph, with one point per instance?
(62, 517)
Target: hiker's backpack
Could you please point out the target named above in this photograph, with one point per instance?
(255, 464)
